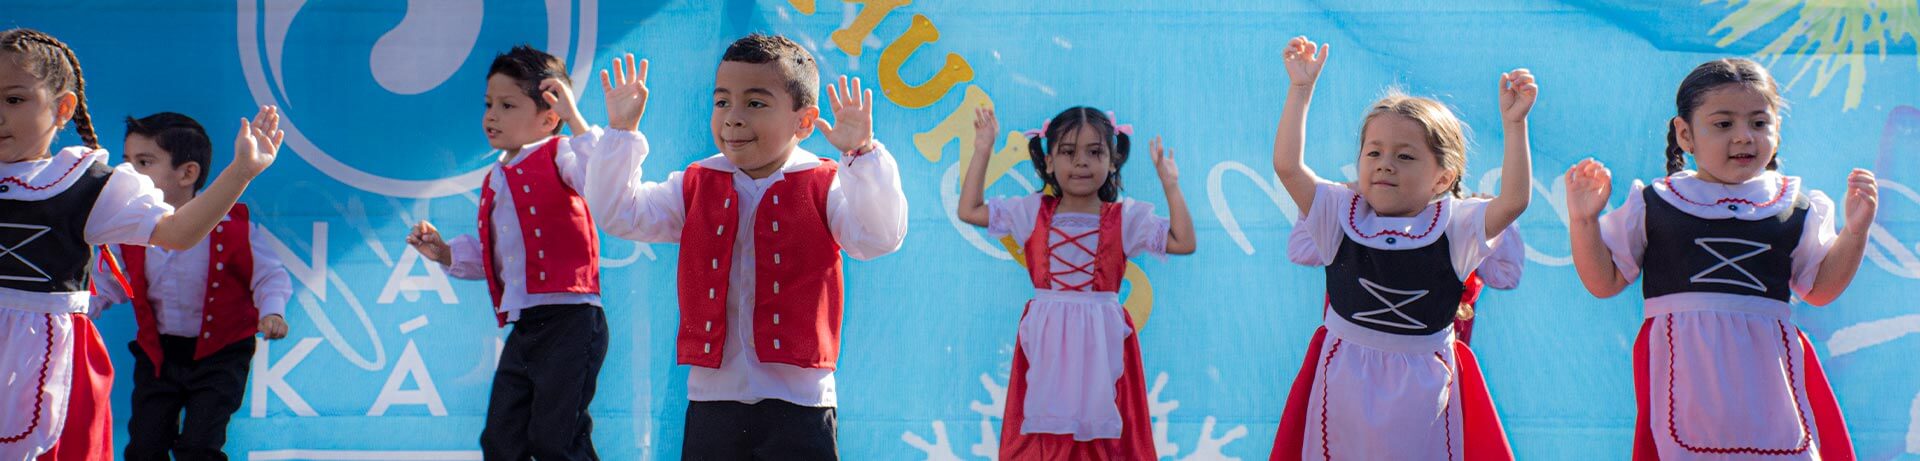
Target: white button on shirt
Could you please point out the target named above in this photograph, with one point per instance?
(177, 285)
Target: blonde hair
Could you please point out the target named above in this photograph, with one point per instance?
(1446, 134)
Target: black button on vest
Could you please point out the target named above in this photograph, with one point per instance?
(43, 247)
(1686, 253)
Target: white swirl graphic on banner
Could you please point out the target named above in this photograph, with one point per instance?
(407, 60)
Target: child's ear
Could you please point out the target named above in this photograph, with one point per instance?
(807, 117)
(1683, 134)
(64, 105)
(188, 174)
(550, 119)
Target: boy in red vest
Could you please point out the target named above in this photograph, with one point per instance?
(761, 227)
(540, 255)
(197, 309)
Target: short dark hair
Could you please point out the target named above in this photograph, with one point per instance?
(528, 66)
(794, 63)
(182, 138)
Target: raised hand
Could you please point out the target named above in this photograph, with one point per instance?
(1517, 93)
(626, 92)
(1163, 162)
(258, 142)
(853, 109)
(426, 239)
(1304, 59)
(1589, 186)
(1863, 199)
(986, 129)
(559, 99)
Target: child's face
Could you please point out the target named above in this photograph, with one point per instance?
(512, 119)
(1080, 162)
(1399, 172)
(754, 122)
(30, 114)
(1732, 135)
(157, 164)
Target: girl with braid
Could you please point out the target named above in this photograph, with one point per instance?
(1721, 251)
(55, 208)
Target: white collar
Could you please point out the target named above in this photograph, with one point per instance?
(1764, 196)
(518, 155)
(43, 178)
(1362, 225)
(798, 160)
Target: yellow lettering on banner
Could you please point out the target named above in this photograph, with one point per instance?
(921, 32)
(958, 126)
(805, 6)
(849, 38)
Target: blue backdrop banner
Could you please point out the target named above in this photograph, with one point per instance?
(389, 358)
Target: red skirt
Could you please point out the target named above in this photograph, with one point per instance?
(1136, 435)
(88, 433)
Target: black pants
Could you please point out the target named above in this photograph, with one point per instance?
(185, 408)
(769, 430)
(548, 370)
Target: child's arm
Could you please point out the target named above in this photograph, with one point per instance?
(973, 207)
(1843, 260)
(1517, 94)
(621, 203)
(866, 207)
(1589, 184)
(254, 149)
(1304, 61)
(271, 287)
(462, 257)
(1180, 231)
(622, 137)
(106, 286)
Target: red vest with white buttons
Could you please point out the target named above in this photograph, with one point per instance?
(796, 309)
(562, 249)
(228, 316)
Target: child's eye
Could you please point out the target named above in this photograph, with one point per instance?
(1722, 124)
(1373, 153)
(756, 104)
(1762, 123)
(506, 106)
(15, 100)
(721, 104)
(1406, 157)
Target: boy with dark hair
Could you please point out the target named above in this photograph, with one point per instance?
(540, 255)
(197, 309)
(761, 227)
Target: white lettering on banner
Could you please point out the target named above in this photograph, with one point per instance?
(310, 272)
(401, 282)
(409, 365)
(270, 377)
(1268, 183)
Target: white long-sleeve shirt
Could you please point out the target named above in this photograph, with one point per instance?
(509, 247)
(177, 285)
(866, 213)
